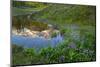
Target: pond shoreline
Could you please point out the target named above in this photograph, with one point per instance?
(31, 33)
(35, 39)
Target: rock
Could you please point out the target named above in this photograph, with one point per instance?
(45, 34)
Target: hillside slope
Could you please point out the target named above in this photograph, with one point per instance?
(63, 14)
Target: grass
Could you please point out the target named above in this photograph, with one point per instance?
(68, 51)
(79, 42)
(22, 11)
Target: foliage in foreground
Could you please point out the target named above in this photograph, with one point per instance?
(70, 50)
(78, 45)
(59, 54)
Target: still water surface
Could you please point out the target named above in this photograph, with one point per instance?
(37, 42)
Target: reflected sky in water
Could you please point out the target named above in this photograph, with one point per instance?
(36, 42)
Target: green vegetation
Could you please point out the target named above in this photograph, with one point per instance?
(54, 34)
(65, 14)
(64, 52)
(22, 8)
(22, 22)
(70, 50)
(76, 24)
